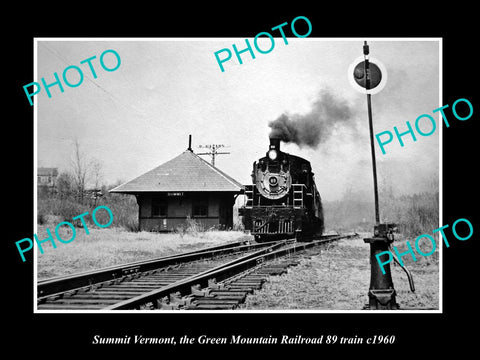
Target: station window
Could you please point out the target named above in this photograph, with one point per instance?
(159, 208)
(200, 209)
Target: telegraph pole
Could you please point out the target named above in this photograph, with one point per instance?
(213, 151)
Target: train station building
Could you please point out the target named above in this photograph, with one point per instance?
(186, 187)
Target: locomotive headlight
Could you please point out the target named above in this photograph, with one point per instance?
(272, 154)
(273, 181)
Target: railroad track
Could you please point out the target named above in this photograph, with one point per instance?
(214, 278)
(97, 289)
(239, 280)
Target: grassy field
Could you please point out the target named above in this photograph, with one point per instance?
(112, 246)
(338, 279)
(414, 214)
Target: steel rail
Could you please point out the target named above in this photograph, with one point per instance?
(69, 283)
(220, 273)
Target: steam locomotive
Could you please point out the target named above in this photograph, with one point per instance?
(283, 201)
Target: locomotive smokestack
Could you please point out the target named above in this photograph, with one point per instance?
(275, 143)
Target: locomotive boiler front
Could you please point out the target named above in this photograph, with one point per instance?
(282, 201)
(272, 174)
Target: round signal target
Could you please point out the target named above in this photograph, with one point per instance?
(358, 78)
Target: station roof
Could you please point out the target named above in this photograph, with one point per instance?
(187, 172)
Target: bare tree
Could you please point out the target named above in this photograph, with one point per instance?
(79, 170)
(85, 171)
(96, 170)
(97, 174)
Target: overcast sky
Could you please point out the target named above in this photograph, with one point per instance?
(139, 116)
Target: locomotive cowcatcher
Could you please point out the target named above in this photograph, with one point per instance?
(283, 201)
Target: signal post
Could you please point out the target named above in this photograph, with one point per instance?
(369, 76)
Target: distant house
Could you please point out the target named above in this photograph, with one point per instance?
(46, 180)
(186, 187)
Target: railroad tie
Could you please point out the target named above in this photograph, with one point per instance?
(196, 291)
(235, 292)
(225, 296)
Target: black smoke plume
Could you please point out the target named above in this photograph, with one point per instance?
(313, 128)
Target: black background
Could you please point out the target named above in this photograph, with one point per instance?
(49, 334)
